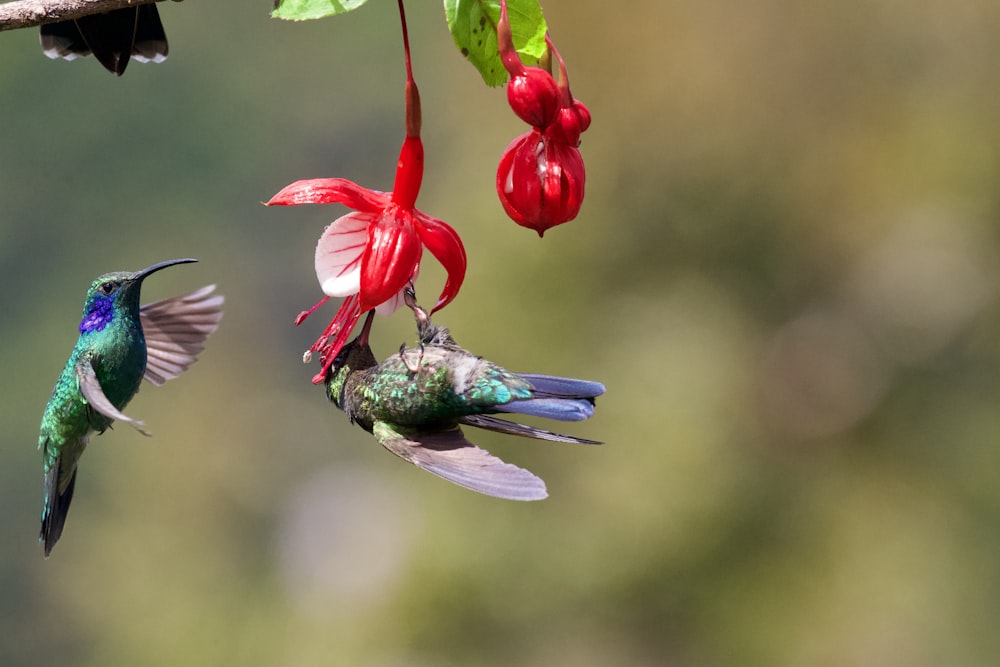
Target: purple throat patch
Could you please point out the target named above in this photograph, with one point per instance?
(99, 315)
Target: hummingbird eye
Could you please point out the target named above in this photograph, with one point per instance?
(108, 287)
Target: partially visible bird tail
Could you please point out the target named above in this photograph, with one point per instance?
(560, 409)
(55, 508)
(559, 398)
(552, 386)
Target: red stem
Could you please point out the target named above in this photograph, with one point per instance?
(410, 168)
(505, 43)
(567, 96)
(412, 94)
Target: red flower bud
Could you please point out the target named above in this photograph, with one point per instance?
(540, 181)
(534, 96)
(570, 122)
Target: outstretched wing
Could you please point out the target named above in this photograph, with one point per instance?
(450, 456)
(91, 389)
(176, 330)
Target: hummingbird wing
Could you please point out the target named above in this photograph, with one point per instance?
(513, 428)
(91, 389)
(176, 329)
(449, 455)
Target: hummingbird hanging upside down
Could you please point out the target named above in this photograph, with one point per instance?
(120, 344)
(416, 401)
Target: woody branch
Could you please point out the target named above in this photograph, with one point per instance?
(31, 13)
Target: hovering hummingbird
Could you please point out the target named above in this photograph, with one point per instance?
(120, 343)
(415, 402)
(112, 37)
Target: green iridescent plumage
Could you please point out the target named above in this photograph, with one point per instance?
(120, 344)
(445, 385)
(415, 401)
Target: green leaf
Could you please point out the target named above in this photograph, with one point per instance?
(303, 10)
(473, 25)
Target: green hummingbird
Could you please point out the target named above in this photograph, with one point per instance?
(120, 344)
(416, 401)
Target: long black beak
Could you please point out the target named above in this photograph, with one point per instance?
(367, 328)
(139, 276)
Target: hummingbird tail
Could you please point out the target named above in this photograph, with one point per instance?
(55, 509)
(552, 397)
(551, 386)
(560, 409)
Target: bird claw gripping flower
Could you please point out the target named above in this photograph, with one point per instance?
(541, 176)
(416, 402)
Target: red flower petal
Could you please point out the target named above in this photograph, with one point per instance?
(446, 245)
(391, 257)
(330, 191)
(563, 181)
(517, 179)
(340, 327)
(534, 96)
(409, 173)
(540, 181)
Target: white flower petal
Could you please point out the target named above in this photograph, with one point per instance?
(338, 254)
(387, 308)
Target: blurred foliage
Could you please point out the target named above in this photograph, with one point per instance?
(785, 272)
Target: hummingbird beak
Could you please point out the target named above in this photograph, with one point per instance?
(139, 276)
(410, 299)
(410, 296)
(367, 328)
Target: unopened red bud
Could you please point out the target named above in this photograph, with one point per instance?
(570, 122)
(540, 181)
(534, 96)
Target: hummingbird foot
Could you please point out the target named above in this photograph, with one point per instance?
(415, 367)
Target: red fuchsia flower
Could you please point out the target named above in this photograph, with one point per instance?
(370, 255)
(541, 176)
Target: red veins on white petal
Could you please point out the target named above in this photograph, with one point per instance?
(338, 254)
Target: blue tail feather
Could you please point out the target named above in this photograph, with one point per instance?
(560, 409)
(554, 386)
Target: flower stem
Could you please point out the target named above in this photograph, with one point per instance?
(410, 168)
(412, 94)
(567, 96)
(505, 43)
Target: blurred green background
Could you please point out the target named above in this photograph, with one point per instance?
(785, 271)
